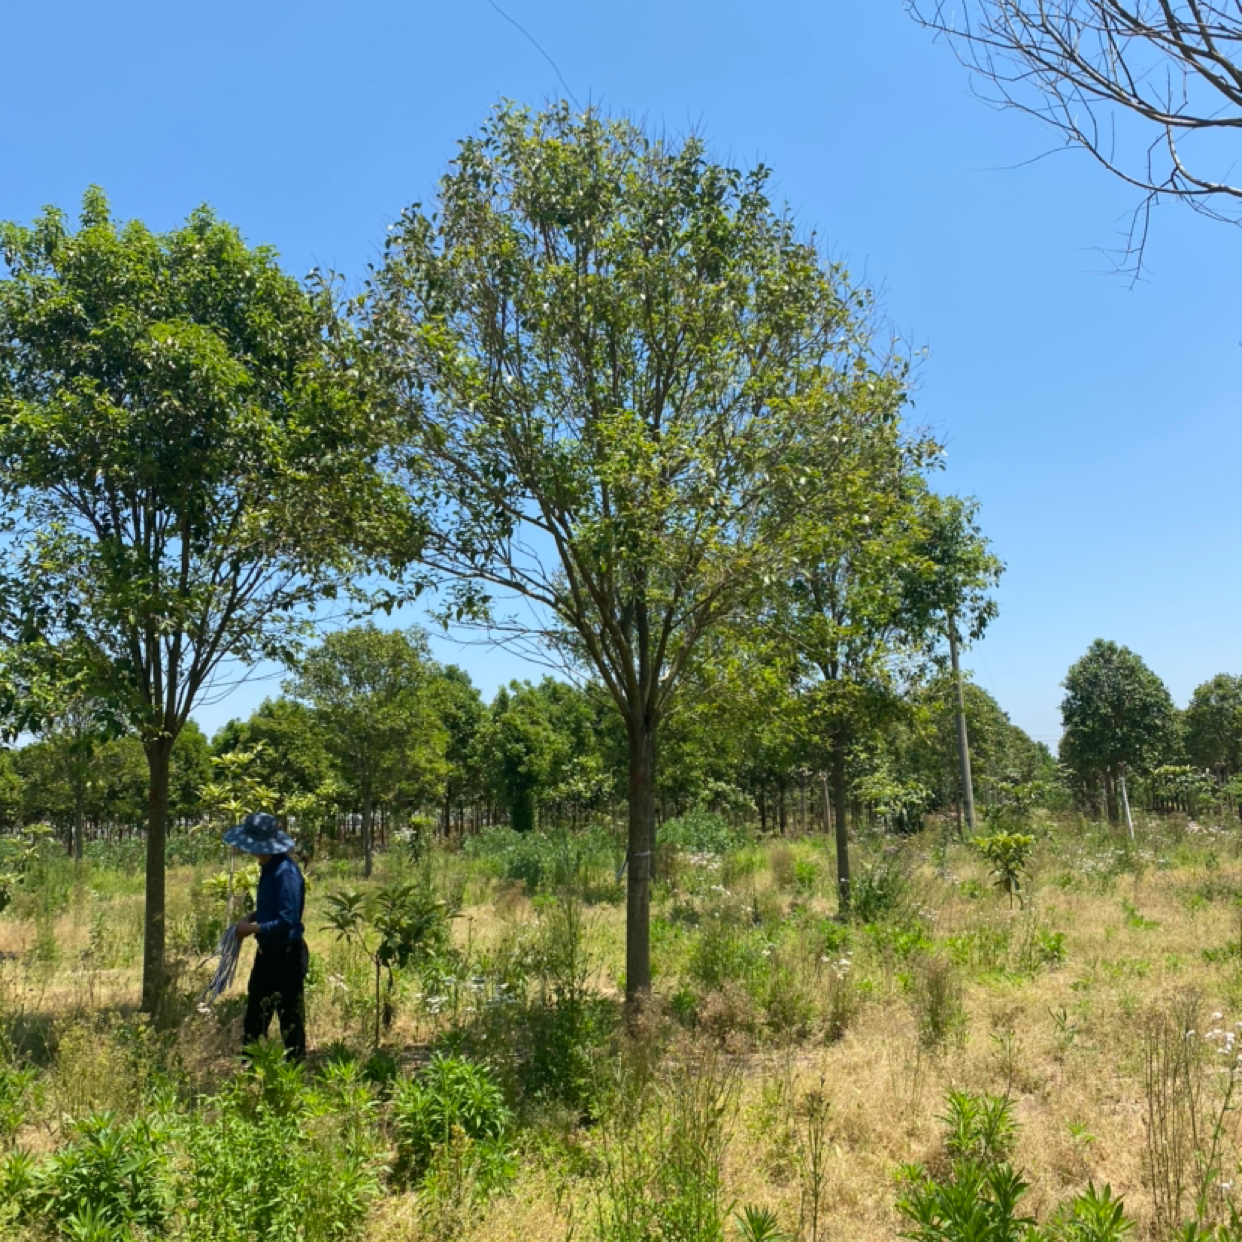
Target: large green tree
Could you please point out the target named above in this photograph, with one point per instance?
(618, 360)
(459, 708)
(1213, 725)
(871, 603)
(367, 688)
(1117, 715)
(187, 466)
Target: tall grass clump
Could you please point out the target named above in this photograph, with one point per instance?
(662, 1152)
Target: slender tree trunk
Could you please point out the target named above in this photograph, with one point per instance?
(963, 743)
(1110, 796)
(639, 870)
(159, 752)
(79, 820)
(368, 810)
(841, 816)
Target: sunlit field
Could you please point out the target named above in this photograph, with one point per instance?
(792, 1070)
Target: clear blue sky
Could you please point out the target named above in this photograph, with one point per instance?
(1096, 424)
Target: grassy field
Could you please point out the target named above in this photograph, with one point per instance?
(791, 1064)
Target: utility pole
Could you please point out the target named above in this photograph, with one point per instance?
(963, 744)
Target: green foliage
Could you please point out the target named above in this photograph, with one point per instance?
(979, 1200)
(396, 925)
(111, 1172)
(878, 888)
(700, 832)
(975, 1202)
(368, 689)
(661, 1149)
(453, 1095)
(978, 1128)
(18, 855)
(188, 466)
(272, 1158)
(1008, 854)
(1091, 1216)
(543, 860)
(17, 1090)
(1117, 714)
(758, 1224)
(1213, 725)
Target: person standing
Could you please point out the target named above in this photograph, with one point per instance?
(278, 977)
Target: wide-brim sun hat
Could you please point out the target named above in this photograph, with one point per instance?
(259, 833)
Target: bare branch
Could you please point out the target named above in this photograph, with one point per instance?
(1151, 89)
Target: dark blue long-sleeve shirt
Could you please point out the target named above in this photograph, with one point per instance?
(279, 902)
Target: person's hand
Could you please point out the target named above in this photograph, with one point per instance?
(244, 928)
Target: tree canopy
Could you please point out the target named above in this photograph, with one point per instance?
(187, 468)
(628, 385)
(1117, 714)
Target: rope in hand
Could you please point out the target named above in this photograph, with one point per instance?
(227, 949)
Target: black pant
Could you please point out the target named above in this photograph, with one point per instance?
(277, 982)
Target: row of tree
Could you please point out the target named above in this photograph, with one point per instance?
(1119, 717)
(606, 377)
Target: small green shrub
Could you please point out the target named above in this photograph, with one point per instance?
(979, 1128)
(1092, 1216)
(878, 889)
(835, 937)
(1007, 854)
(17, 1090)
(700, 832)
(759, 1224)
(727, 953)
(806, 875)
(271, 1157)
(454, 1094)
(974, 1202)
(18, 1181)
(787, 1007)
(111, 1171)
(980, 1199)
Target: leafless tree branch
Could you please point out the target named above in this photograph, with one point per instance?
(1151, 89)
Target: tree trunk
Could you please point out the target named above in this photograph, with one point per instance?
(368, 811)
(639, 853)
(79, 820)
(159, 752)
(1110, 797)
(839, 814)
(963, 743)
